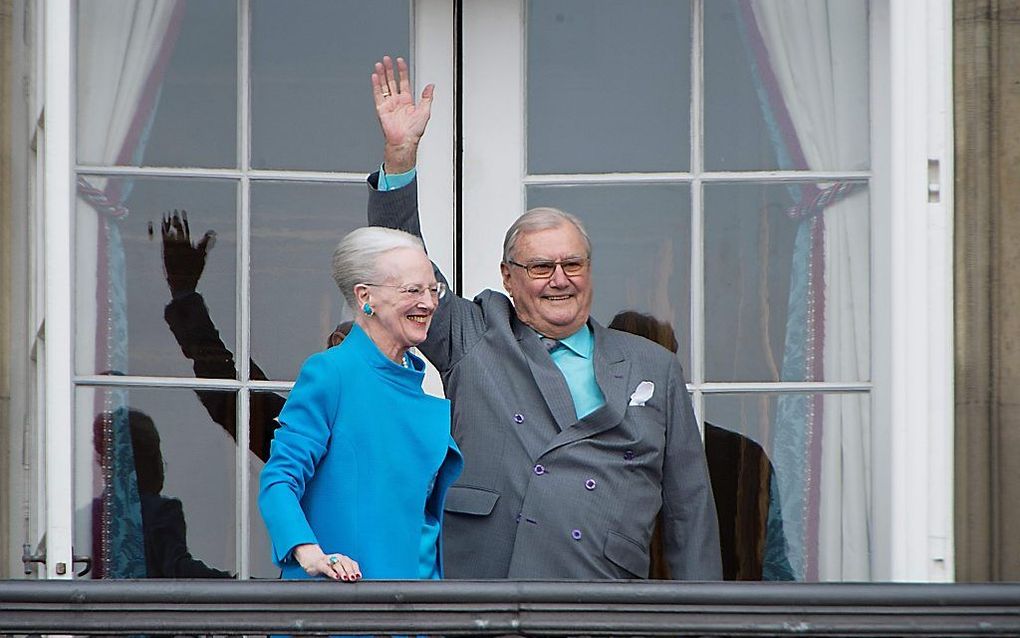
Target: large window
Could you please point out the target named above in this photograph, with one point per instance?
(221, 154)
(718, 152)
(761, 195)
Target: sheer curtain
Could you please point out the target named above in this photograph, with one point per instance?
(123, 50)
(811, 61)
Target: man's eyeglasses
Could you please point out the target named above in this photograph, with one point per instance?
(436, 291)
(544, 269)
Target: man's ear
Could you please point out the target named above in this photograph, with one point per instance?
(504, 270)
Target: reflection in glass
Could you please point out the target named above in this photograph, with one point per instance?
(786, 85)
(310, 67)
(608, 86)
(265, 407)
(132, 315)
(640, 238)
(154, 488)
(157, 83)
(787, 282)
(810, 453)
(294, 302)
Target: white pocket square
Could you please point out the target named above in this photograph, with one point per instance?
(642, 393)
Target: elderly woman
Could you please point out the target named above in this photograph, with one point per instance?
(359, 468)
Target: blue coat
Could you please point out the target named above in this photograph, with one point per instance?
(351, 465)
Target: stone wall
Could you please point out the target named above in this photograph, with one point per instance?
(987, 288)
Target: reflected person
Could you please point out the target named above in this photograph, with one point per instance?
(574, 435)
(188, 318)
(164, 529)
(360, 466)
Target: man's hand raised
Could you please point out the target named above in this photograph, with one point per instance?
(403, 122)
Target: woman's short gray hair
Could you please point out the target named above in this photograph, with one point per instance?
(354, 260)
(541, 219)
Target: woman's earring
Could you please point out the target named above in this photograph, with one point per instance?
(367, 309)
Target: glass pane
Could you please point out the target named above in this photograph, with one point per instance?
(787, 284)
(310, 91)
(154, 483)
(786, 85)
(157, 83)
(640, 238)
(265, 407)
(608, 86)
(138, 313)
(792, 480)
(294, 303)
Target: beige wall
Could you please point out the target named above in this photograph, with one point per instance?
(987, 288)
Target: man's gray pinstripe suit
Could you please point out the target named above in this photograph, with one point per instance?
(543, 495)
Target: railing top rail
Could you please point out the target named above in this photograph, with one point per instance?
(509, 607)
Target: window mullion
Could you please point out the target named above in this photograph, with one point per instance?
(243, 289)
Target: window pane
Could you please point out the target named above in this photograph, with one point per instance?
(640, 238)
(131, 317)
(294, 302)
(265, 407)
(608, 86)
(310, 91)
(786, 85)
(155, 477)
(787, 285)
(157, 83)
(792, 480)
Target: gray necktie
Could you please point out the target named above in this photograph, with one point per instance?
(550, 344)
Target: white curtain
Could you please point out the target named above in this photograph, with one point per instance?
(123, 49)
(120, 46)
(818, 54)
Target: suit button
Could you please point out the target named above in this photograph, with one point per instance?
(628, 455)
(590, 484)
(576, 534)
(540, 469)
(518, 418)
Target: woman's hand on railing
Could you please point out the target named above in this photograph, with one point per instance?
(336, 566)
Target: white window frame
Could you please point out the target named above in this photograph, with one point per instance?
(912, 394)
(912, 388)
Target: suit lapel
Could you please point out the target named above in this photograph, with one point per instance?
(550, 380)
(611, 371)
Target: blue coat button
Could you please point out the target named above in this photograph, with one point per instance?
(540, 469)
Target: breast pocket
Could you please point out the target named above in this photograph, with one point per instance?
(473, 501)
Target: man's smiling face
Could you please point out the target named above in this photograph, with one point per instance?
(556, 307)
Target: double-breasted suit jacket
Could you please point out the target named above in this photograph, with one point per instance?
(543, 494)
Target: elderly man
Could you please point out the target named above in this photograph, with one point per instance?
(574, 436)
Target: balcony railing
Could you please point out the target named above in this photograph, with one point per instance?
(498, 608)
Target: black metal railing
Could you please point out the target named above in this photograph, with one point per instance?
(499, 608)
